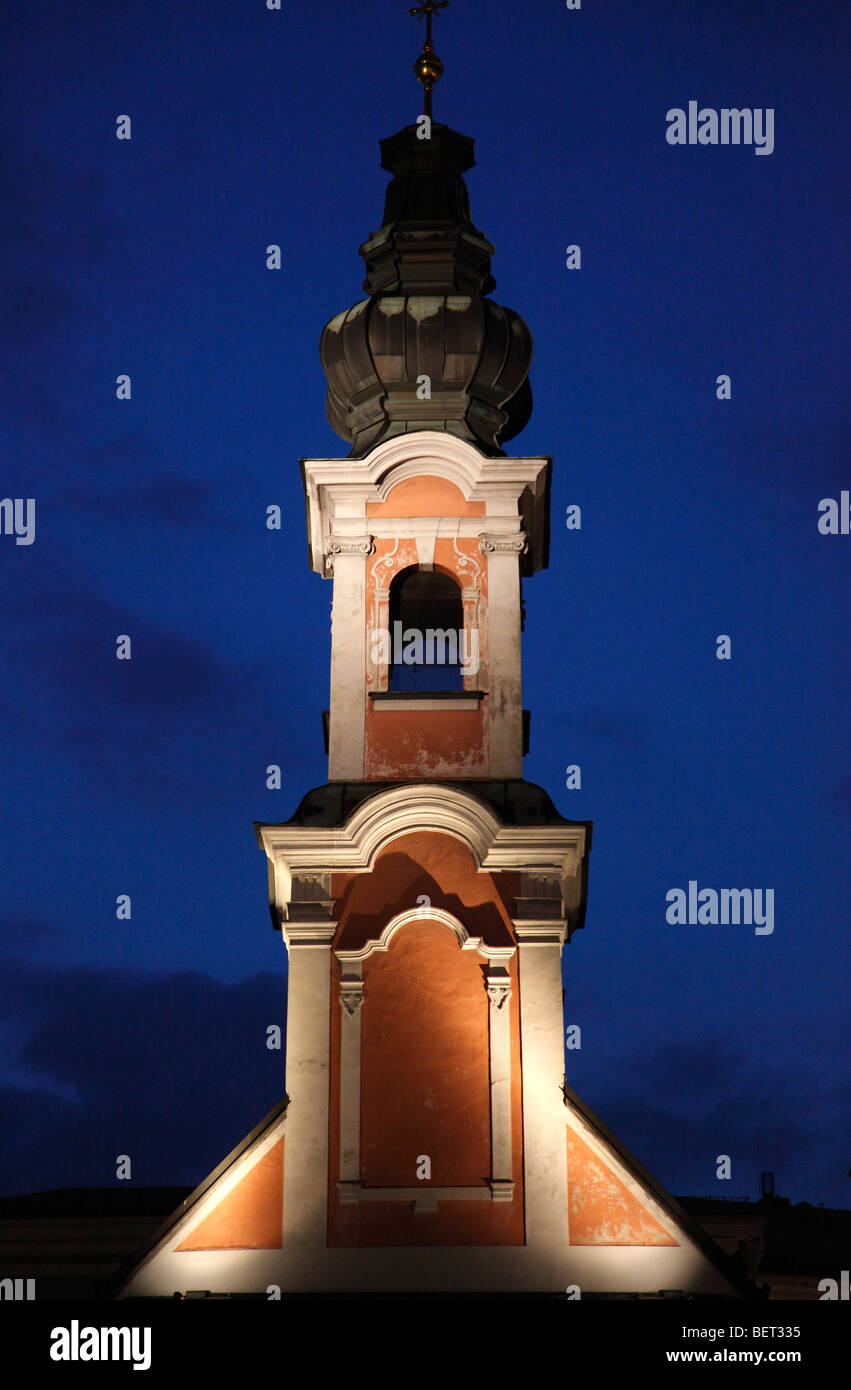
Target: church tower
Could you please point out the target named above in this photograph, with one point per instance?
(425, 893)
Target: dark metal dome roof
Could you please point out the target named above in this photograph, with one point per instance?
(427, 349)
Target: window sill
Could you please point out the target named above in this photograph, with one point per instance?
(389, 700)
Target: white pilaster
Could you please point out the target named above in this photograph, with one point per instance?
(348, 659)
(307, 1063)
(351, 1002)
(505, 694)
(499, 994)
(545, 1157)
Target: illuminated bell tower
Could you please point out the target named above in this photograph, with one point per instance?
(427, 378)
(424, 893)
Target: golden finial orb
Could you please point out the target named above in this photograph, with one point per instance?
(428, 68)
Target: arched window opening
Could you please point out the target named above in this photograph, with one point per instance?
(426, 632)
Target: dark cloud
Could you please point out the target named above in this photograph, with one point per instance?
(128, 479)
(172, 498)
(170, 1069)
(621, 727)
(51, 209)
(57, 228)
(167, 674)
(133, 456)
(682, 1105)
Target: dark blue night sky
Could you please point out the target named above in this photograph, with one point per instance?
(699, 518)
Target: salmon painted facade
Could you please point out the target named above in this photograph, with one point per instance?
(425, 893)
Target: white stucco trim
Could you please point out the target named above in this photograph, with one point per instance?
(351, 1003)
(469, 702)
(308, 1060)
(496, 954)
(499, 1031)
(542, 1052)
(347, 703)
(426, 1198)
(373, 825)
(505, 706)
(338, 490)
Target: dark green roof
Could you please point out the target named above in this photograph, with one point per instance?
(515, 802)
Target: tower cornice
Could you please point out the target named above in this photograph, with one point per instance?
(515, 492)
(552, 853)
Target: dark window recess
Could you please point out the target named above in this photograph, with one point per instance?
(527, 728)
(426, 604)
(326, 728)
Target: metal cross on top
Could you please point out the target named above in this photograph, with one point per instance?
(428, 68)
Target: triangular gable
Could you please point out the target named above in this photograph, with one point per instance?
(251, 1215)
(239, 1206)
(613, 1200)
(602, 1208)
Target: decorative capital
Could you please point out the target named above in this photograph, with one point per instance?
(498, 986)
(351, 996)
(502, 544)
(347, 545)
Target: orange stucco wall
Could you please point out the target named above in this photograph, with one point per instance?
(251, 1216)
(425, 496)
(418, 744)
(425, 1044)
(425, 1052)
(601, 1209)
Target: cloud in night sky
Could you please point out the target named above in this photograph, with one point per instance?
(53, 232)
(679, 1105)
(127, 479)
(168, 674)
(616, 726)
(172, 497)
(171, 1069)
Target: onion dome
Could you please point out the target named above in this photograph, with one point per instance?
(428, 350)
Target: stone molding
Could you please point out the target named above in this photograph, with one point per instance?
(351, 996)
(499, 955)
(514, 491)
(499, 986)
(295, 850)
(346, 545)
(502, 543)
(426, 1198)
